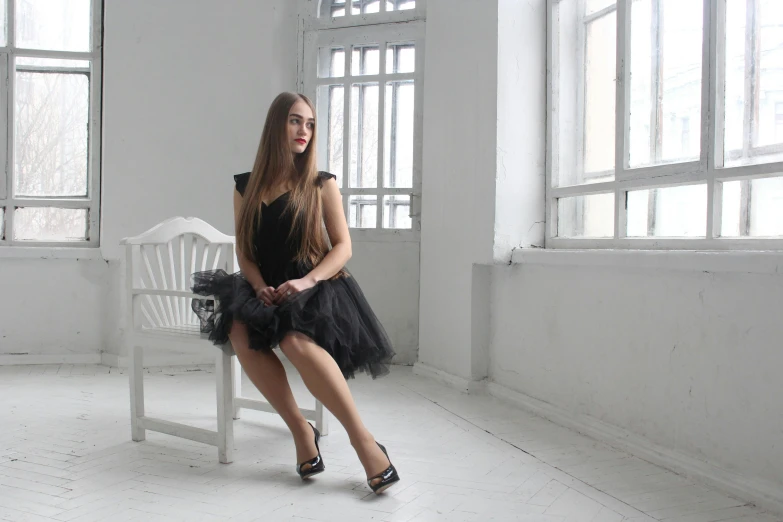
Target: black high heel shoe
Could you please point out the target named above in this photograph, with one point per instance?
(316, 464)
(388, 477)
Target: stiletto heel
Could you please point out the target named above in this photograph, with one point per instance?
(316, 464)
(388, 477)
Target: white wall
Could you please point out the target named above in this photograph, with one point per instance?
(187, 86)
(687, 358)
(483, 181)
(458, 181)
(51, 308)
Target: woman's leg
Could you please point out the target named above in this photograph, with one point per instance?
(268, 375)
(325, 381)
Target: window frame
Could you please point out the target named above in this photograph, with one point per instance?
(92, 201)
(370, 29)
(709, 169)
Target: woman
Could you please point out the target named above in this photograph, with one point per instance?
(293, 290)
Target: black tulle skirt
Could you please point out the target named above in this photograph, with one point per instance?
(334, 314)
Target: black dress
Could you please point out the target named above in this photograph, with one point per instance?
(334, 313)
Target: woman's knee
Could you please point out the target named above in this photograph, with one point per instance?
(295, 346)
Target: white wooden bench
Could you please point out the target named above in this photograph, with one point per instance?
(159, 265)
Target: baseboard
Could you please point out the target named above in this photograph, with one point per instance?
(764, 494)
(159, 360)
(56, 358)
(453, 381)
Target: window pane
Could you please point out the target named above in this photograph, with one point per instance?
(371, 6)
(398, 135)
(364, 135)
(365, 60)
(2, 223)
(665, 81)
(333, 8)
(402, 5)
(734, 86)
(400, 58)
(592, 6)
(362, 211)
(753, 208)
(331, 62)
(668, 212)
(600, 72)
(641, 82)
(731, 209)
(58, 25)
(50, 63)
(396, 211)
(586, 216)
(753, 108)
(330, 106)
(766, 207)
(50, 224)
(585, 108)
(51, 111)
(770, 78)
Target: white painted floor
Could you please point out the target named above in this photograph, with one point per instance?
(66, 454)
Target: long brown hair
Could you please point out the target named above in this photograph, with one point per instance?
(276, 166)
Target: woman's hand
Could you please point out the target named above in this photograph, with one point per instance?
(266, 294)
(294, 286)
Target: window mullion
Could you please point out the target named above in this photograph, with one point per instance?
(5, 178)
(750, 78)
(751, 101)
(382, 44)
(347, 121)
(712, 109)
(8, 105)
(622, 114)
(656, 82)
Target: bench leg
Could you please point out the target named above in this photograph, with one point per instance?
(321, 418)
(225, 408)
(136, 378)
(236, 375)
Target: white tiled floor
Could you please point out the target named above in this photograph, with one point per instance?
(66, 455)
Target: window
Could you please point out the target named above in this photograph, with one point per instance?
(679, 144)
(366, 83)
(50, 100)
(337, 8)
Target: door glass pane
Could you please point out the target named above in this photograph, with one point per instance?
(365, 60)
(398, 135)
(396, 211)
(330, 106)
(364, 135)
(331, 62)
(400, 58)
(362, 211)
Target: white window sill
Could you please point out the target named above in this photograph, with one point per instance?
(25, 252)
(752, 262)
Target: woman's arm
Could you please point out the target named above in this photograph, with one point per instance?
(248, 268)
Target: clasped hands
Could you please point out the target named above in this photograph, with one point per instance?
(270, 295)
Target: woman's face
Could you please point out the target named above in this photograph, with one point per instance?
(300, 126)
